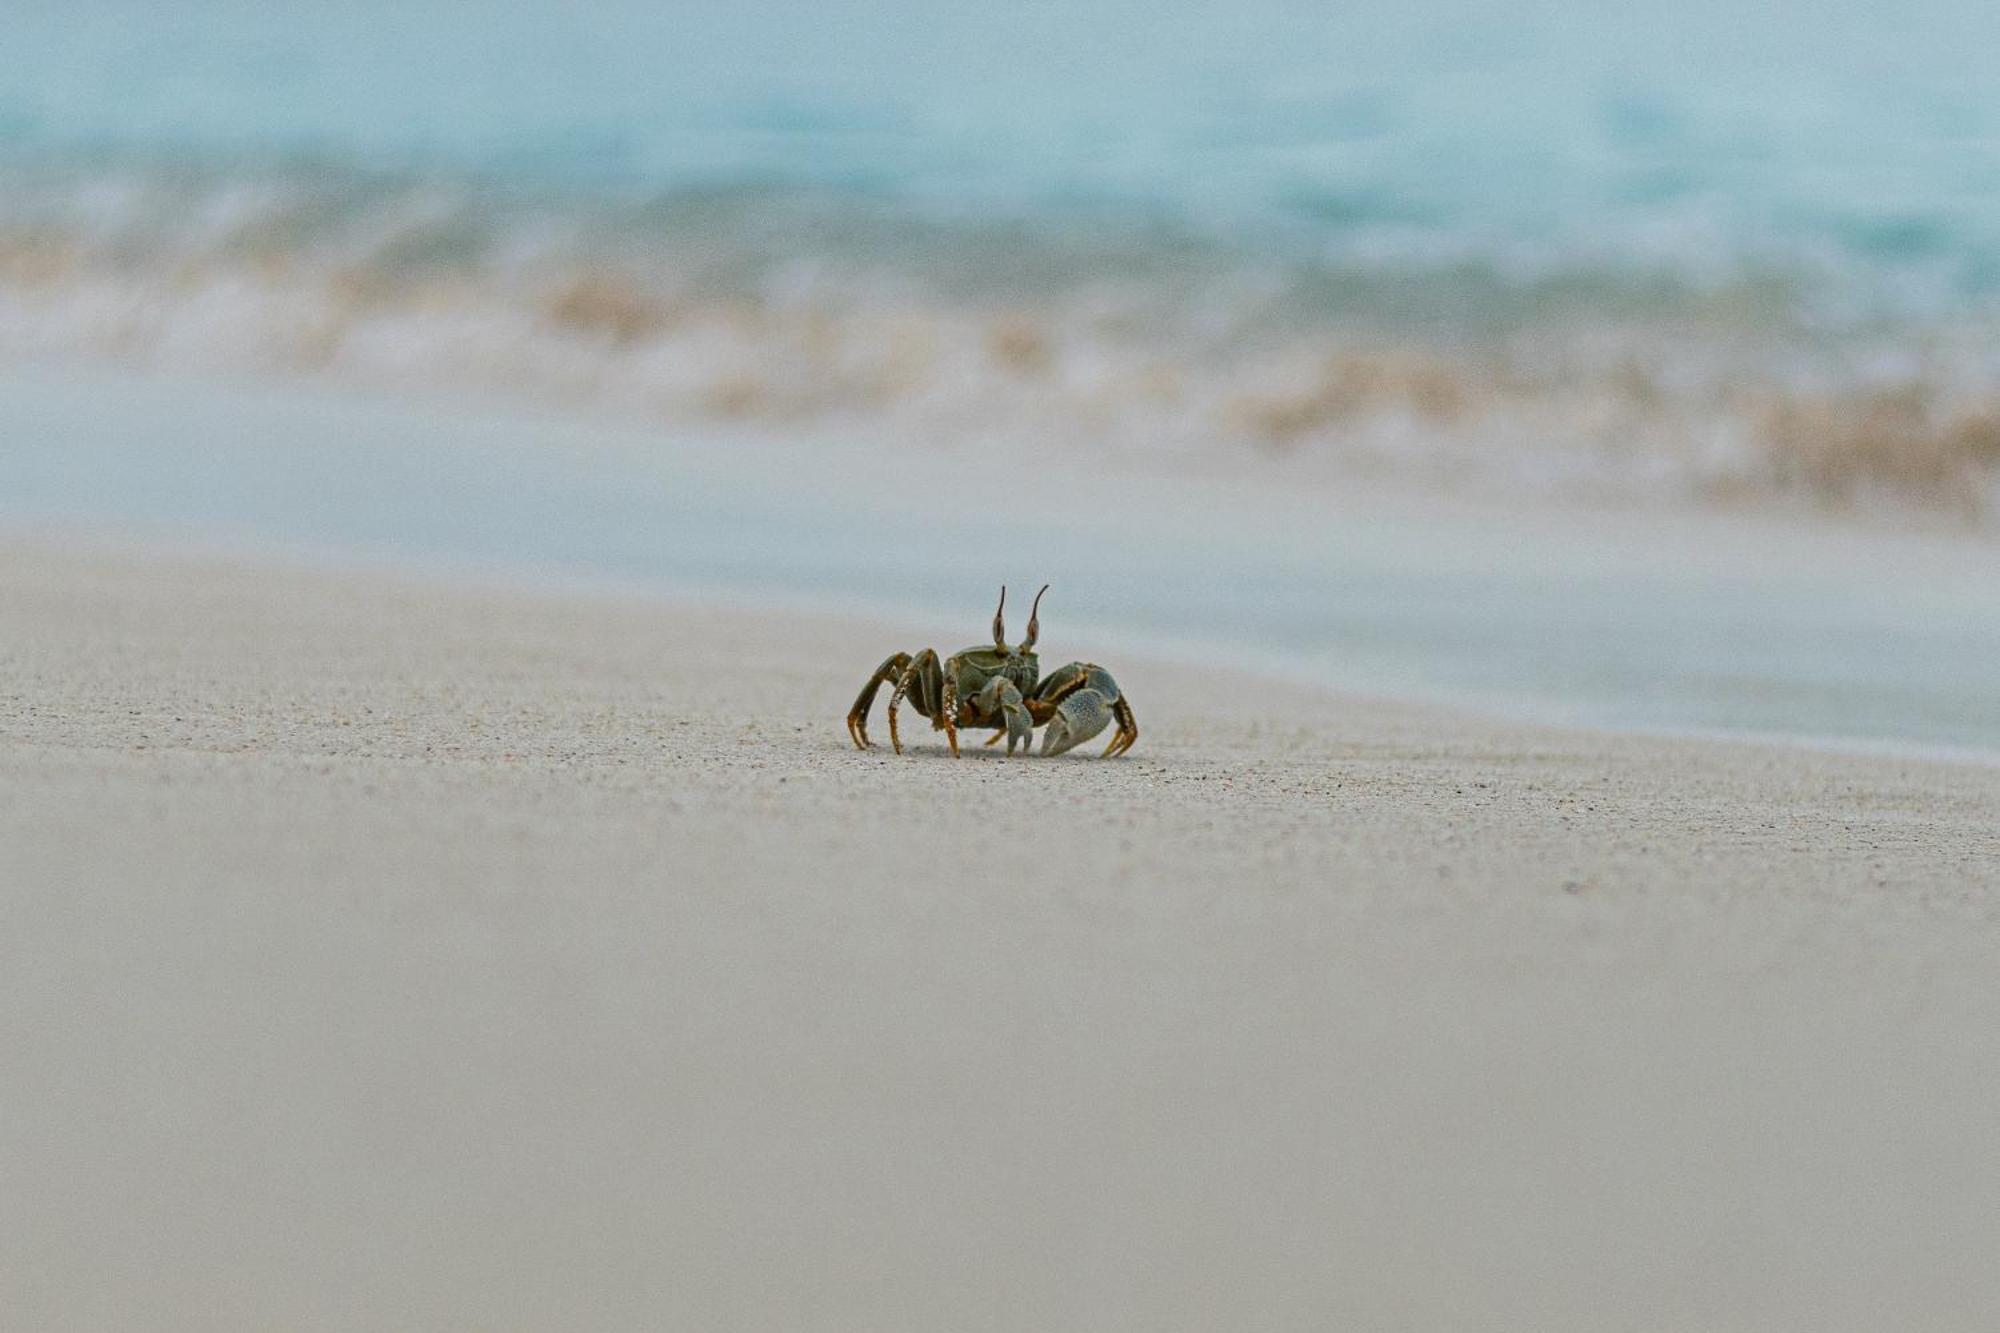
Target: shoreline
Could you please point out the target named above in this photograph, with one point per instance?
(1674, 624)
(1182, 656)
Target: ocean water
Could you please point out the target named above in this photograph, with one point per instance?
(1707, 143)
(1714, 249)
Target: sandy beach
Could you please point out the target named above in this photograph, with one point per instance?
(1533, 469)
(382, 951)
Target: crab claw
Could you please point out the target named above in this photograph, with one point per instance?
(1002, 696)
(1080, 715)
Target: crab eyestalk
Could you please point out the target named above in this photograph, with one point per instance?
(1034, 621)
(1000, 621)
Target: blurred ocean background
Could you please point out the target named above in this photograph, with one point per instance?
(878, 304)
(1704, 251)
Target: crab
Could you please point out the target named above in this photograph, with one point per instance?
(1001, 688)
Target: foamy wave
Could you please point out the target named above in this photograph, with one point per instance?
(792, 309)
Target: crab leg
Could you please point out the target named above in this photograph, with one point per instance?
(857, 716)
(920, 682)
(947, 712)
(1128, 728)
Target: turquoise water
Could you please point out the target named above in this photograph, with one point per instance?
(1555, 246)
(1850, 146)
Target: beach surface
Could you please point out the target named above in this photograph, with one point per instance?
(388, 951)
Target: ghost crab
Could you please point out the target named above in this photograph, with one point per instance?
(1001, 688)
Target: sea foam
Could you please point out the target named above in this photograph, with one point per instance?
(801, 309)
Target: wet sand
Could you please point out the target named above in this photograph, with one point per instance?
(381, 951)
(1711, 621)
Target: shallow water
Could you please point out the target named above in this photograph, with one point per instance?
(1609, 621)
(1549, 247)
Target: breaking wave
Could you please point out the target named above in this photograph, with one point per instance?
(798, 306)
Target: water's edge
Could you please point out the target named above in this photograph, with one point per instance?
(1604, 621)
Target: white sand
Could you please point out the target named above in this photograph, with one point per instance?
(385, 954)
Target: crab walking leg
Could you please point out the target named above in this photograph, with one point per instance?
(857, 716)
(919, 682)
(947, 712)
(1003, 696)
(1128, 728)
